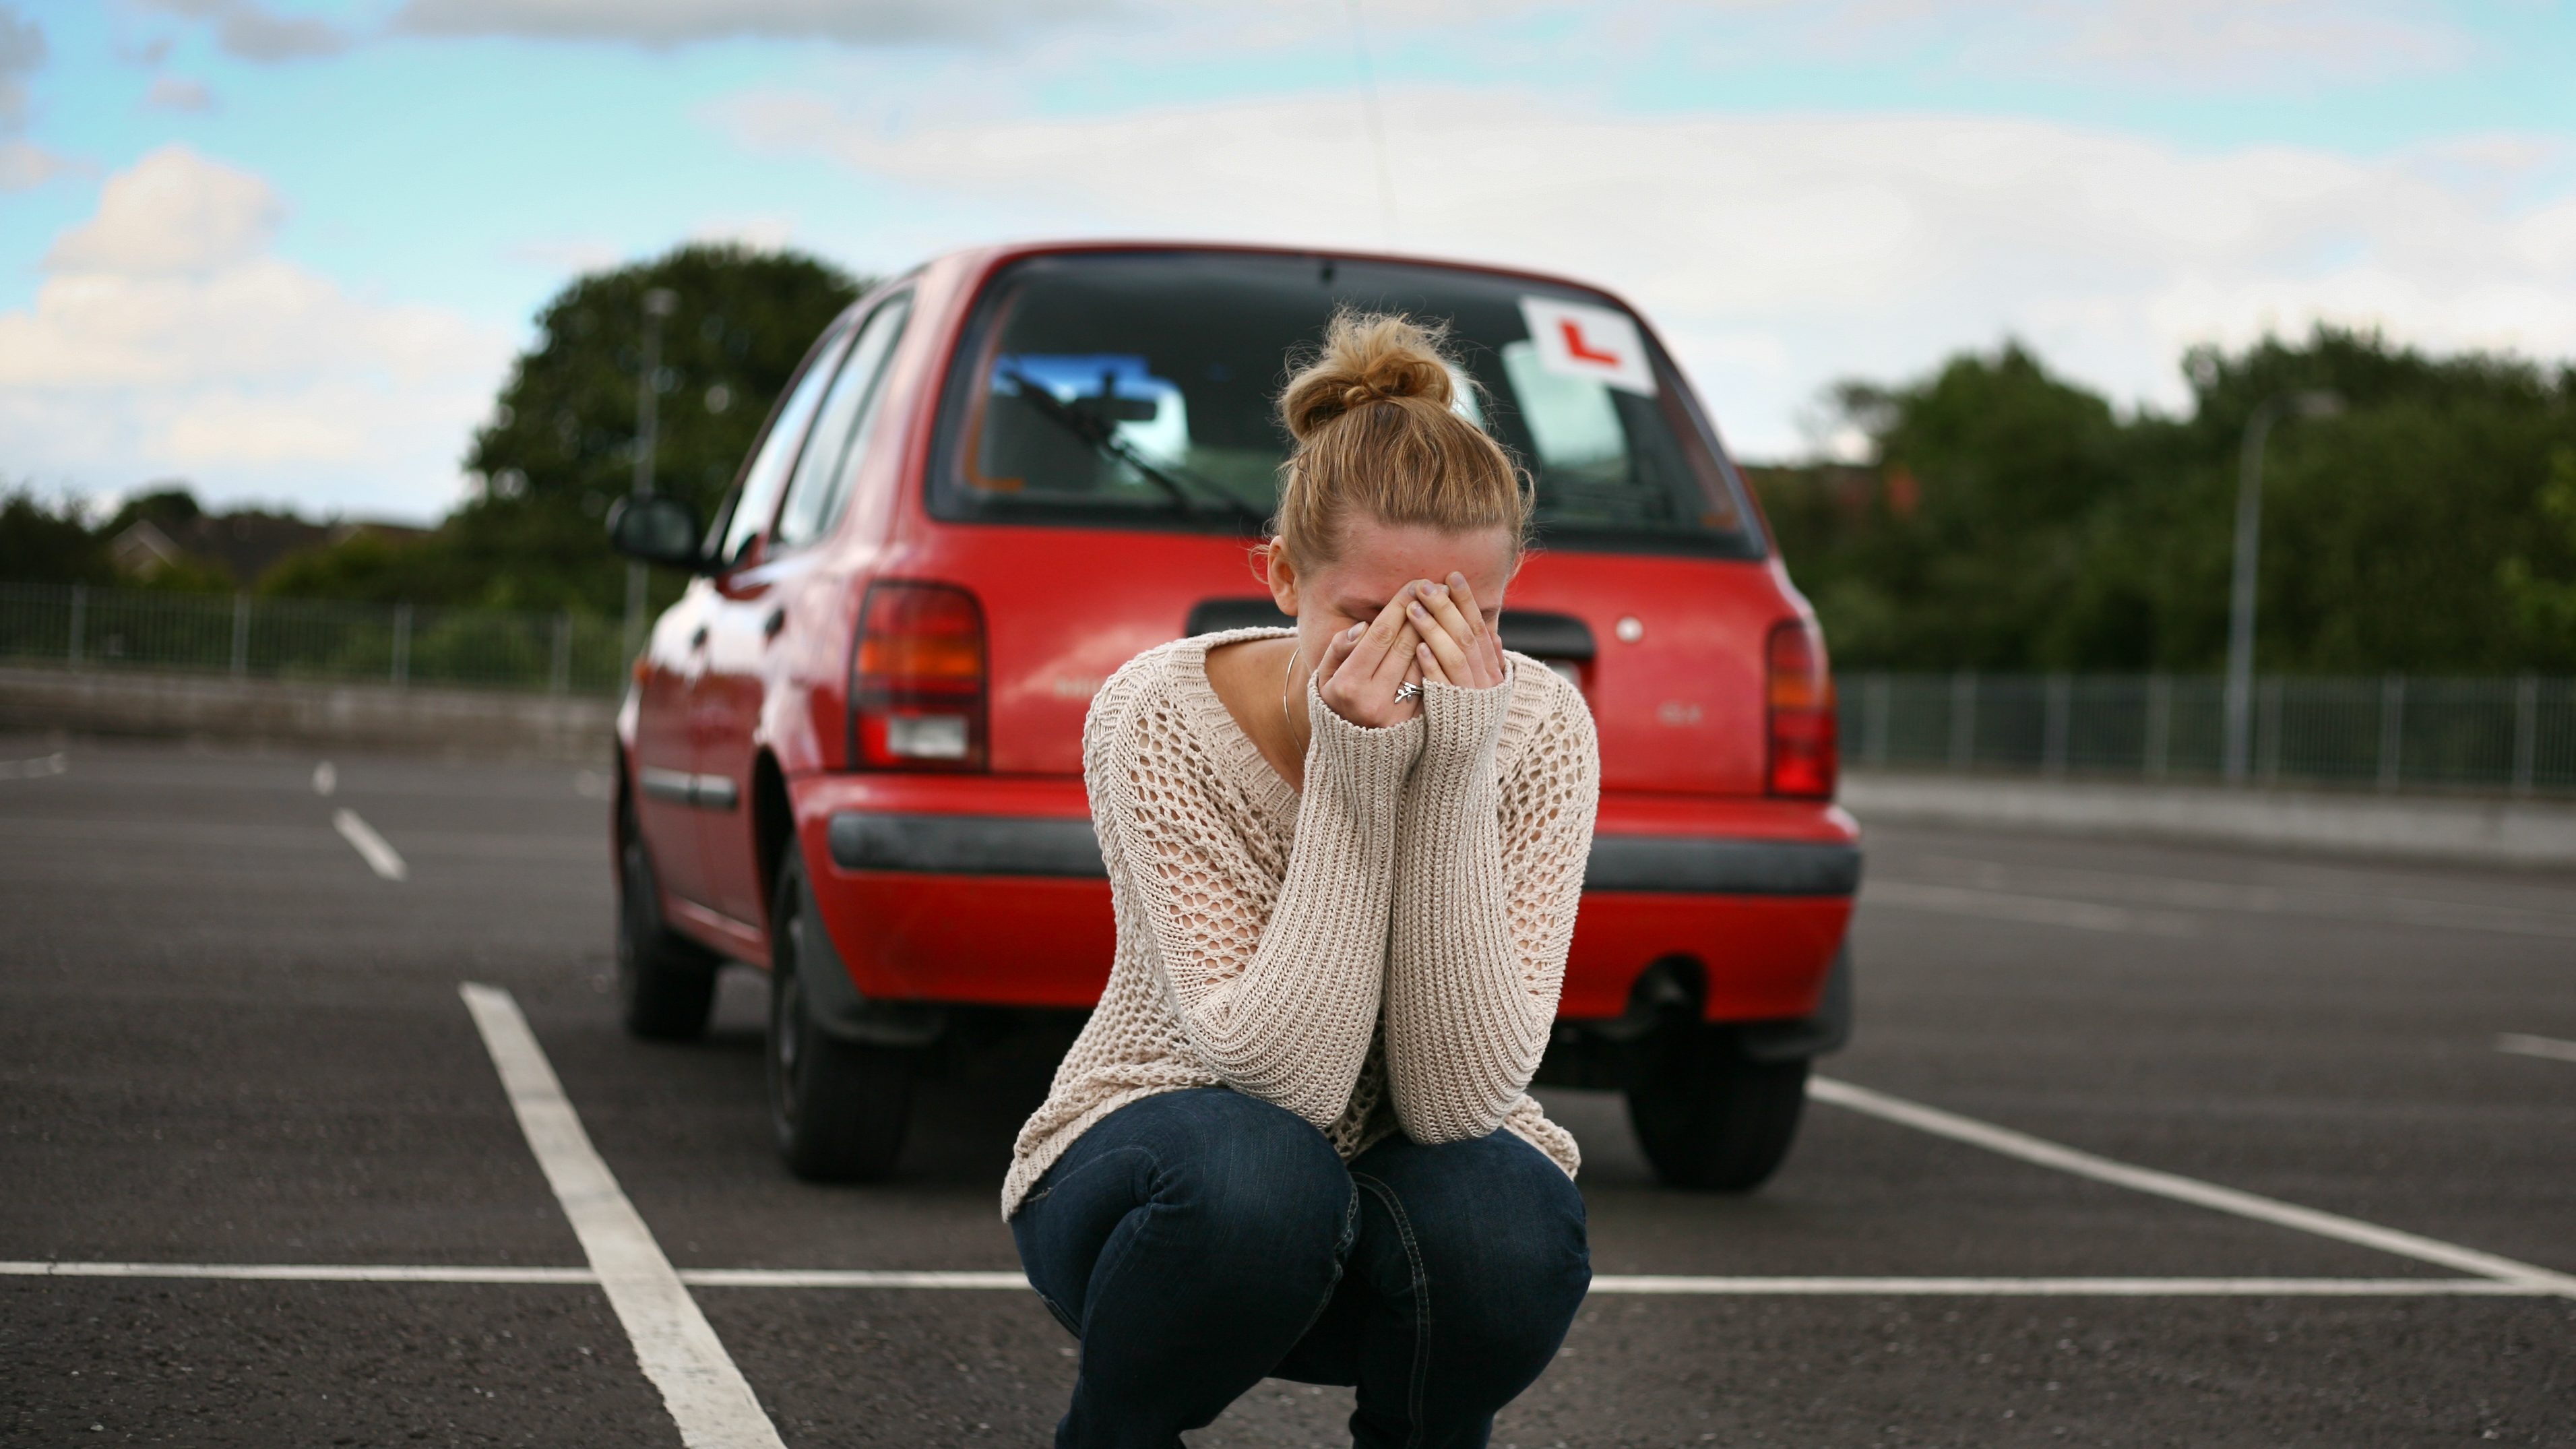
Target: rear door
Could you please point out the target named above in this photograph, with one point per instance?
(753, 610)
(740, 545)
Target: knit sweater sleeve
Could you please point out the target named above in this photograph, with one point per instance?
(1489, 873)
(1279, 1002)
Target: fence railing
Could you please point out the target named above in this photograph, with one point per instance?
(299, 639)
(2514, 736)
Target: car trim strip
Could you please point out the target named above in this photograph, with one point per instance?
(1697, 865)
(966, 845)
(707, 792)
(1066, 848)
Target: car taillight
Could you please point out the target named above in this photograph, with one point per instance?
(917, 680)
(1805, 754)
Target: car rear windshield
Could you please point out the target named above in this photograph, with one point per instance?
(1137, 390)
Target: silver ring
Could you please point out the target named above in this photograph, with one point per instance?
(1407, 692)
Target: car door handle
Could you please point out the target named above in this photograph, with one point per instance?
(776, 621)
(699, 639)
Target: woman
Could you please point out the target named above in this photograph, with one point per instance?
(1345, 859)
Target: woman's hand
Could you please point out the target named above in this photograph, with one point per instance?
(1454, 645)
(1365, 664)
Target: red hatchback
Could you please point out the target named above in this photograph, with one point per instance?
(852, 752)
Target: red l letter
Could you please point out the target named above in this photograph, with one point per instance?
(1575, 348)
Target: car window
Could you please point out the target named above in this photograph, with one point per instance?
(1138, 389)
(841, 431)
(757, 498)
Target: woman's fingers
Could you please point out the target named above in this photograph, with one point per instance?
(1479, 639)
(1336, 649)
(1429, 663)
(1443, 639)
(1390, 635)
(1362, 685)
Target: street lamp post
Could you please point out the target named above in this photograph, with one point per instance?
(2249, 543)
(659, 303)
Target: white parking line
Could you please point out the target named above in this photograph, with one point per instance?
(2184, 1189)
(2030, 910)
(676, 1347)
(37, 768)
(850, 1278)
(303, 1272)
(325, 779)
(2537, 1046)
(1651, 1284)
(371, 847)
(2308, 901)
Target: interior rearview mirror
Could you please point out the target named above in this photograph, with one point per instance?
(657, 530)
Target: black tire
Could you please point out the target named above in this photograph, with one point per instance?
(1711, 1118)
(838, 1108)
(666, 983)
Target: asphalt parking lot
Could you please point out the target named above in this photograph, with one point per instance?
(2136, 1145)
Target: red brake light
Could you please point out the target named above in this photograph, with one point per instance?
(1805, 753)
(917, 680)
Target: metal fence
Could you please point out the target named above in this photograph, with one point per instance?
(299, 639)
(2512, 736)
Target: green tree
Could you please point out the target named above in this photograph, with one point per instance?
(2429, 528)
(49, 543)
(559, 446)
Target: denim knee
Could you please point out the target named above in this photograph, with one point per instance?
(1208, 1184)
(1253, 1172)
(1499, 1234)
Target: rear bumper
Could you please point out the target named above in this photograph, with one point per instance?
(991, 890)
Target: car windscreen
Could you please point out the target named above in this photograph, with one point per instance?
(1137, 389)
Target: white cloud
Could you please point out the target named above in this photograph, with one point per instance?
(254, 31)
(673, 22)
(2187, 43)
(1779, 253)
(169, 338)
(175, 211)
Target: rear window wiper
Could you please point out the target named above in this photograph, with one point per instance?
(1188, 492)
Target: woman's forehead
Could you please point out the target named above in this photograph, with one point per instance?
(1376, 559)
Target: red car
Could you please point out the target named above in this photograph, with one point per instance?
(851, 755)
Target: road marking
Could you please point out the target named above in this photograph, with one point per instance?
(1666, 1284)
(850, 1278)
(2317, 902)
(38, 768)
(2185, 1189)
(1651, 1283)
(2030, 910)
(372, 848)
(325, 779)
(2537, 1046)
(303, 1272)
(678, 1350)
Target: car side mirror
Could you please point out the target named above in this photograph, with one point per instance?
(657, 530)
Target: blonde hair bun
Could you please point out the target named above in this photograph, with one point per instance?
(1376, 431)
(1368, 359)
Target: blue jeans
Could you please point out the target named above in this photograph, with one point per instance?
(1199, 1241)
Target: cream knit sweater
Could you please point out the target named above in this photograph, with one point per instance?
(1380, 952)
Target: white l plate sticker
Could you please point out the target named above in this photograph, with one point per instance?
(1575, 340)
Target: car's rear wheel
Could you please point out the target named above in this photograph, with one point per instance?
(838, 1108)
(1710, 1117)
(666, 983)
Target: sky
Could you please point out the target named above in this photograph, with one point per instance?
(286, 249)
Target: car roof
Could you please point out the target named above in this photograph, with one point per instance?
(981, 261)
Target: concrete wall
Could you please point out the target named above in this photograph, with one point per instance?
(2404, 827)
(366, 717)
